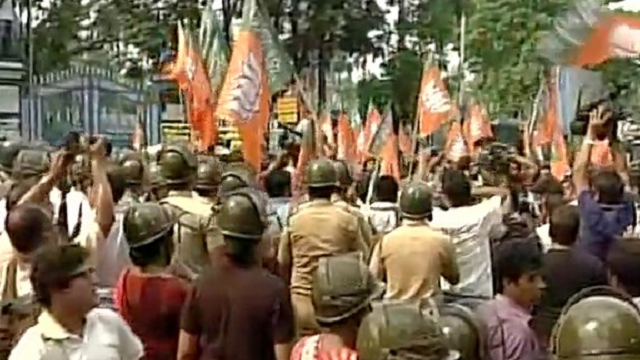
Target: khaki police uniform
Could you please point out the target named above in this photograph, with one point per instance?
(411, 259)
(317, 229)
(196, 232)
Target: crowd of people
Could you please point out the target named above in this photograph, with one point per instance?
(120, 255)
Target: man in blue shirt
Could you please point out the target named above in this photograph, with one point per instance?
(605, 212)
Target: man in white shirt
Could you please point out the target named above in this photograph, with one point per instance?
(470, 226)
(70, 326)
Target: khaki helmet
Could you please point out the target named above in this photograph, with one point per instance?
(155, 177)
(416, 201)
(30, 162)
(209, 173)
(133, 168)
(343, 173)
(463, 331)
(321, 173)
(342, 286)
(402, 330)
(145, 223)
(236, 176)
(178, 164)
(8, 152)
(242, 214)
(598, 323)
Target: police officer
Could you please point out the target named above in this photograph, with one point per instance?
(30, 163)
(317, 229)
(341, 197)
(261, 305)
(412, 258)
(132, 166)
(8, 152)
(208, 178)
(342, 291)
(235, 176)
(196, 233)
(597, 324)
(402, 330)
(157, 184)
(463, 331)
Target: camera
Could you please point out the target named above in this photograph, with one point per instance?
(581, 123)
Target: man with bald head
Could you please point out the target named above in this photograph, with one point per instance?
(28, 227)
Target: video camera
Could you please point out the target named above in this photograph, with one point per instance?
(581, 123)
(496, 157)
(77, 143)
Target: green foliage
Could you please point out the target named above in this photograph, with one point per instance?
(502, 50)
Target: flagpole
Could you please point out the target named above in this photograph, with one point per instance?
(463, 26)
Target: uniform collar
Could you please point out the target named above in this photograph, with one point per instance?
(185, 193)
(50, 328)
(319, 202)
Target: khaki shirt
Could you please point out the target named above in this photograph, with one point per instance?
(364, 225)
(194, 237)
(318, 229)
(411, 259)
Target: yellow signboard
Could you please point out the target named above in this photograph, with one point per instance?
(175, 130)
(287, 109)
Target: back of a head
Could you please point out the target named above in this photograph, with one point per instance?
(387, 189)
(117, 181)
(242, 219)
(457, 187)
(623, 260)
(552, 202)
(564, 225)
(609, 186)
(27, 226)
(278, 183)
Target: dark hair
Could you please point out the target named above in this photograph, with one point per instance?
(564, 225)
(26, 225)
(278, 183)
(117, 181)
(552, 202)
(514, 259)
(321, 192)
(157, 252)
(241, 251)
(457, 187)
(54, 267)
(609, 186)
(623, 260)
(387, 189)
(547, 185)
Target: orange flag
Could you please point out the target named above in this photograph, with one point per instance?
(366, 134)
(404, 140)
(613, 37)
(552, 130)
(476, 126)
(434, 102)
(346, 140)
(389, 160)
(244, 97)
(192, 78)
(455, 146)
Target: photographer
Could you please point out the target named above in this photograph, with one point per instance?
(605, 214)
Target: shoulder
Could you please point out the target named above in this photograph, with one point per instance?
(30, 345)
(104, 318)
